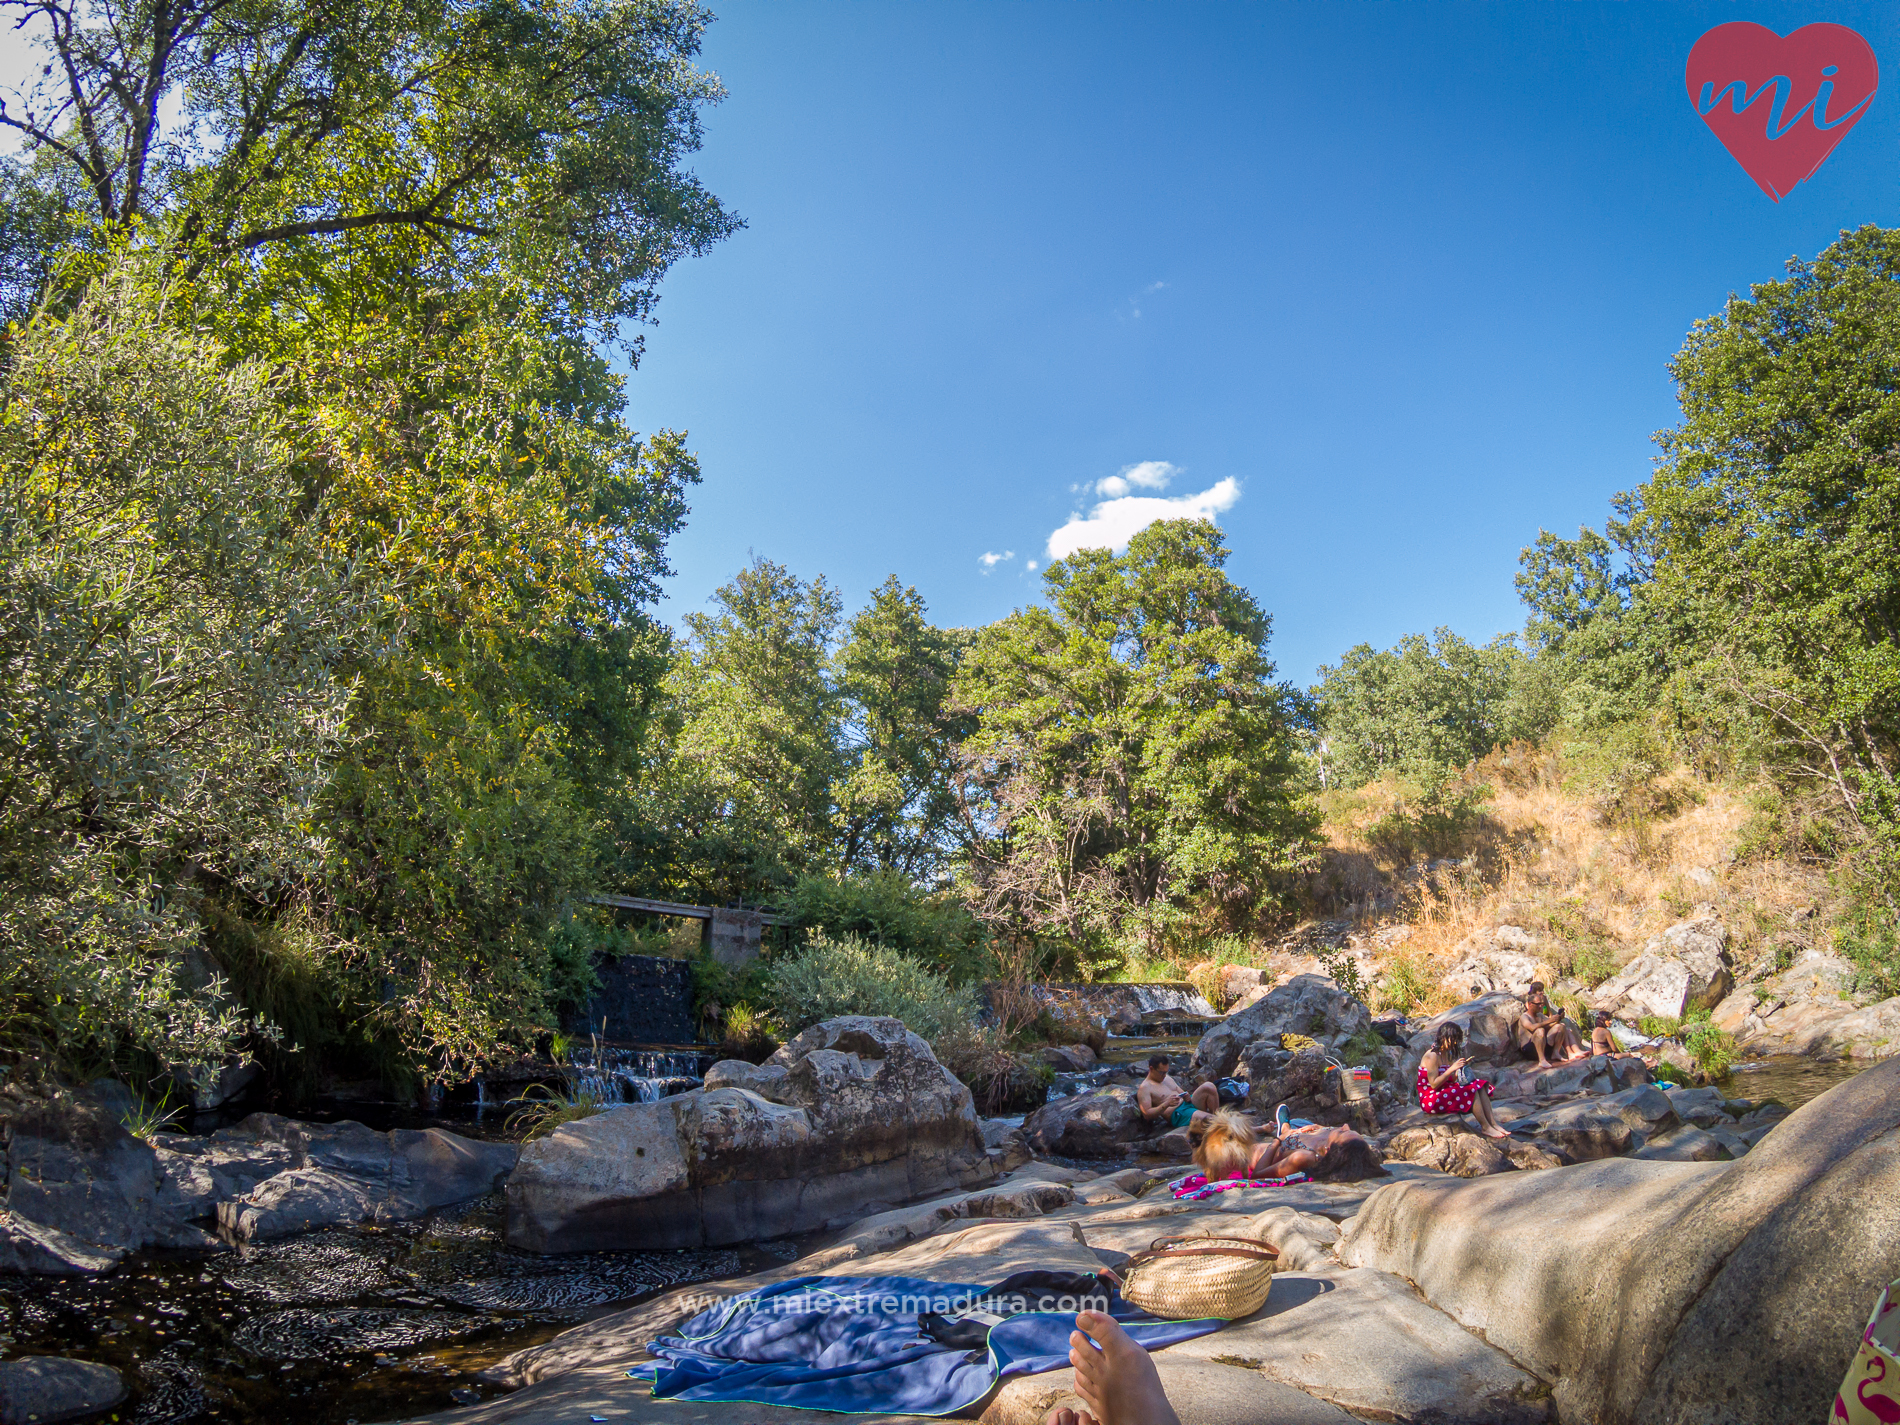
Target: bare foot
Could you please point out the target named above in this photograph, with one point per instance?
(1062, 1415)
(1496, 1132)
(1114, 1376)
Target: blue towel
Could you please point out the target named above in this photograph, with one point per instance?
(856, 1345)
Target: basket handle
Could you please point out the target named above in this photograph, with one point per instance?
(1258, 1251)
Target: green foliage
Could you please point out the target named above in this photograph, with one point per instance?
(1133, 756)
(1343, 969)
(1426, 708)
(720, 986)
(540, 1110)
(1746, 591)
(1406, 985)
(1587, 948)
(1868, 937)
(889, 909)
(849, 975)
(1712, 1049)
(170, 696)
(1658, 1026)
(749, 1035)
(1443, 820)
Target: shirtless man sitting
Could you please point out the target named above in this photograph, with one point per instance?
(1159, 1094)
(1546, 1033)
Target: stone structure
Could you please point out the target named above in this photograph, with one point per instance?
(642, 999)
(852, 1112)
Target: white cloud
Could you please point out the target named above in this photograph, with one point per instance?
(990, 561)
(1031, 566)
(1148, 475)
(1115, 521)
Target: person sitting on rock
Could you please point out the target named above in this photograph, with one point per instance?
(1545, 1034)
(1159, 1093)
(1442, 1087)
(1603, 1040)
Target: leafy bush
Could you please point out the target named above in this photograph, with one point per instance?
(748, 1035)
(886, 908)
(1656, 1026)
(1343, 970)
(850, 975)
(1868, 938)
(1442, 821)
(1405, 985)
(1713, 1049)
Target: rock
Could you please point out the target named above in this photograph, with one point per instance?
(1306, 1004)
(1237, 981)
(1175, 1143)
(767, 1080)
(1488, 1022)
(1829, 1029)
(1684, 968)
(1815, 974)
(210, 1087)
(1583, 1129)
(1068, 1058)
(868, 1115)
(1498, 960)
(196, 1174)
(72, 1167)
(1301, 1080)
(1465, 1155)
(1646, 1109)
(46, 1389)
(29, 1247)
(1098, 1124)
(1365, 1342)
(1670, 1293)
(1686, 1144)
(1703, 1107)
(1528, 1157)
(346, 1173)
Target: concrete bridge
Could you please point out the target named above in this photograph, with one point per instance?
(731, 933)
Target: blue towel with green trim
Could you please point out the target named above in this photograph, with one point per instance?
(863, 1345)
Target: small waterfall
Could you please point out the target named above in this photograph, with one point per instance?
(634, 1075)
(481, 1098)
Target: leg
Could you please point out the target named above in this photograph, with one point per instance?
(1573, 1045)
(1537, 1038)
(1206, 1098)
(1481, 1110)
(1114, 1376)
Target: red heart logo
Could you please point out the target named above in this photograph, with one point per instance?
(1780, 105)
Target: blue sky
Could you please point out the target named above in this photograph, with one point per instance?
(1406, 276)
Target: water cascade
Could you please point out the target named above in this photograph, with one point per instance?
(613, 1075)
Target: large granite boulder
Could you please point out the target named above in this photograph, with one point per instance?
(1500, 960)
(1490, 1026)
(345, 1173)
(862, 1114)
(1100, 1123)
(1306, 1004)
(1669, 1293)
(1684, 968)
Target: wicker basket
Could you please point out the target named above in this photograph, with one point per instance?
(1193, 1278)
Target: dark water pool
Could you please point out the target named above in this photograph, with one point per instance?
(1789, 1077)
(353, 1324)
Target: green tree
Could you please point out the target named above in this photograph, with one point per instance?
(1764, 545)
(1426, 707)
(896, 804)
(1133, 756)
(173, 684)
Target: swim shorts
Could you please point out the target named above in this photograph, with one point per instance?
(1182, 1116)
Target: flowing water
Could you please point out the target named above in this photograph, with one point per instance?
(632, 1075)
(351, 1324)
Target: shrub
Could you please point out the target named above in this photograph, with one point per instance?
(888, 909)
(1657, 1026)
(748, 1035)
(1443, 821)
(850, 975)
(1405, 985)
(1712, 1049)
(541, 1110)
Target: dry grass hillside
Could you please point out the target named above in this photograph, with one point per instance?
(1591, 850)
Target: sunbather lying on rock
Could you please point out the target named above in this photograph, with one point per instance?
(1159, 1095)
(1115, 1378)
(1545, 1034)
(1230, 1148)
(1443, 1086)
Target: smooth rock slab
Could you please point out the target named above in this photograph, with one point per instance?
(46, 1389)
(1658, 1293)
(32, 1247)
(1364, 1341)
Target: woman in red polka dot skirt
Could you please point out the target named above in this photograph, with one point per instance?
(1439, 1089)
